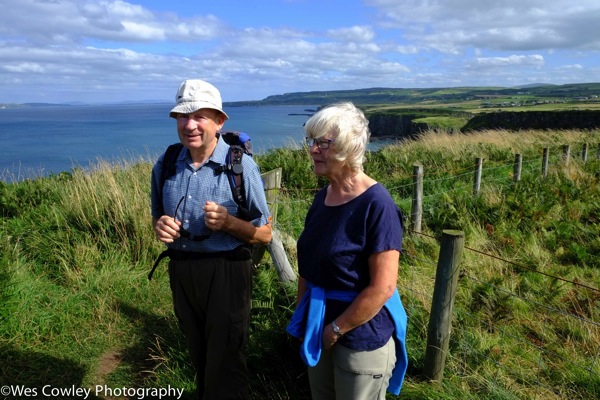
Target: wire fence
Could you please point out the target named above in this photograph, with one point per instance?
(517, 331)
(557, 339)
(498, 309)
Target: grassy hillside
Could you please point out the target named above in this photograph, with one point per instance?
(451, 108)
(78, 309)
(465, 99)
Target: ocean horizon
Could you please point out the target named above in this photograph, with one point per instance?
(47, 140)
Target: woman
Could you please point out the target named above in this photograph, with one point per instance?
(349, 313)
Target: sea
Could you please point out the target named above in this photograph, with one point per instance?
(46, 140)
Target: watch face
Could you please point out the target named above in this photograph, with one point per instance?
(336, 328)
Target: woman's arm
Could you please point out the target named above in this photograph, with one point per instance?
(301, 289)
(383, 270)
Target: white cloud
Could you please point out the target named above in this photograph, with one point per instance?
(23, 67)
(535, 60)
(507, 25)
(361, 34)
(143, 31)
(94, 50)
(77, 21)
(575, 67)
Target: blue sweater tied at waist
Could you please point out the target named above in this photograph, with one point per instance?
(308, 320)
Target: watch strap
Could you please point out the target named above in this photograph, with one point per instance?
(336, 329)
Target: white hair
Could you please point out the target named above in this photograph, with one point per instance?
(348, 125)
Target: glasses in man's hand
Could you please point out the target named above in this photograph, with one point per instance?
(184, 233)
(321, 143)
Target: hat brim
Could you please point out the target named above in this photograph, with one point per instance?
(189, 107)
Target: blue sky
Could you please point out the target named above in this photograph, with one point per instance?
(103, 50)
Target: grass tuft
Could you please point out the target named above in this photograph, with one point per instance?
(77, 308)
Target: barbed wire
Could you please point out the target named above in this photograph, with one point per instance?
(494, 175)
(543, 345)
(513, 263)
(466, 348)
(419, 293)
(537, 303)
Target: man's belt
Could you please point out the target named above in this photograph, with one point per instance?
(240, 253)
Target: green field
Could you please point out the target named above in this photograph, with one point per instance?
(466, 99)
(77, 308)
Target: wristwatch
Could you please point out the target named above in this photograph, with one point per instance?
(336, 329)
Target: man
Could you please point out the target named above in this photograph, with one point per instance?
(210, 268)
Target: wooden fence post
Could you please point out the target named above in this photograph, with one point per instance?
(446, 281)
(584, 152)
(517, 167)
(416, 213)
(477, 179)
(280, 260)
(566, 153)
(545, 162)
(272, 183)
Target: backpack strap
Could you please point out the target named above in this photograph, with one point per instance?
(166, 253)
(234, 169)
(168, 169)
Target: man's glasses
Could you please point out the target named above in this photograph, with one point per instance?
(321, 143)
(184, 233)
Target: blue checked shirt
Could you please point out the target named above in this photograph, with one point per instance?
(193, 187)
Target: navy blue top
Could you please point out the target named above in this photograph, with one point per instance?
(333, 253)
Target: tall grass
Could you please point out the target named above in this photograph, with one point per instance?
(77, 308)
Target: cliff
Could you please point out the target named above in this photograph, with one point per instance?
(397, 126)
(572, 119)
(403, 127)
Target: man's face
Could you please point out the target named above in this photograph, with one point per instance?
(198, 129)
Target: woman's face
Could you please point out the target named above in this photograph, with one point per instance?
(322, 153)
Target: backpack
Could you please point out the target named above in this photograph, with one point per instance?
(239, 144)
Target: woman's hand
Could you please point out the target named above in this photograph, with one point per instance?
(329, 337)
(383, 269)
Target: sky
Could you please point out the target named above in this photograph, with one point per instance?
(100, 51)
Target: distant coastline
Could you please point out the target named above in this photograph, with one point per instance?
(81, 104)
(391, 96)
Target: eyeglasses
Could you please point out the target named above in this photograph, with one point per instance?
(184, 233)
(321, 143)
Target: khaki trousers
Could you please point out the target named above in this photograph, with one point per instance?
(346, 374)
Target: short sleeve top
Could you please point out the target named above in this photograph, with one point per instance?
(334, 248)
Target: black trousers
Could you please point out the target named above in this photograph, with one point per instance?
(212, 301)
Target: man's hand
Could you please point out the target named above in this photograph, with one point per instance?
(216, 217)
(166, 229)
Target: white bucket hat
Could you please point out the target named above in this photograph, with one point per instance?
(195, 94)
